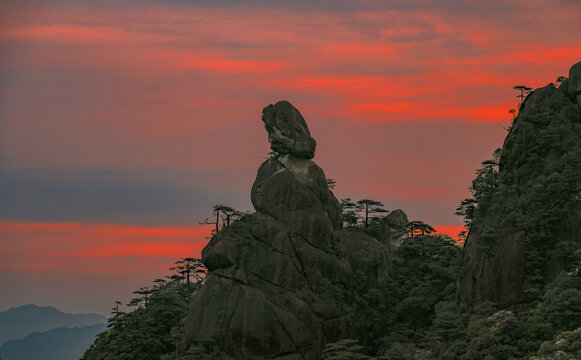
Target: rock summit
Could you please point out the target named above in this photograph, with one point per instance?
(287, 130)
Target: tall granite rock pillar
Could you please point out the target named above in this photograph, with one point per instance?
(280, 281)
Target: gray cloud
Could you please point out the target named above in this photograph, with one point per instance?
(140, 196)
(301, 6)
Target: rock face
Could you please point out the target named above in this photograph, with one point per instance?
(280, 283)
(519, 240)
(394, 228)
(574, 83)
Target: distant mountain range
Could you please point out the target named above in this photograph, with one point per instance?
(33, 332)
(16, 323)
(56, 344)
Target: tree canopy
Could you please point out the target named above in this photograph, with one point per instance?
(152, 328)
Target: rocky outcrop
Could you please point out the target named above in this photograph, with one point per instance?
(573, 85)
(281, 280)
(527, 230)
(496, 278)
(394, 230)
(366, 255)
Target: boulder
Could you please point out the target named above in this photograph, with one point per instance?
(287, 130)
(538, 100)
(393, 230)
(366, 256)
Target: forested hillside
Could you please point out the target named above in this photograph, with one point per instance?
(525, 216)
(154, 325)
(413, 315)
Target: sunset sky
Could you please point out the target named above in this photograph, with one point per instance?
(123, 122)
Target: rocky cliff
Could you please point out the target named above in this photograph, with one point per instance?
(529, 228)
(281, 280)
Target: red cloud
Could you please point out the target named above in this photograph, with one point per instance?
(451, 231)
(58, 245)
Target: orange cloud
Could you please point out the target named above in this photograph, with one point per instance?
(228, 66)
(73, 34)
(28, 245)
(105, 248)
(450, 230)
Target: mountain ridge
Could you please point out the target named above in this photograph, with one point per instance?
(18, 322)
(63, 343)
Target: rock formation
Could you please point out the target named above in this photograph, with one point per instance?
(280, 280)
(573, 86)
(520, 236)
(287, 130)
(394, 228)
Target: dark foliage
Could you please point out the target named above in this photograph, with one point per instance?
(153, 328)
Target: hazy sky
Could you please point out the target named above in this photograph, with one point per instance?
(123, 122)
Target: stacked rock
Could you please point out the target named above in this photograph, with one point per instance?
(280, 282)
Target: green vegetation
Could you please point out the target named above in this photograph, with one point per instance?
(350, 212)
(153, 328)
(565, 346)
(369, 208)
(532, 190)
(482, 188)
(524, 91)
(416, 315)
(413, 315)
(223, 214)
(364, 212)
(417, 227)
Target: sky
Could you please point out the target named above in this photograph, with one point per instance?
(123, 123)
